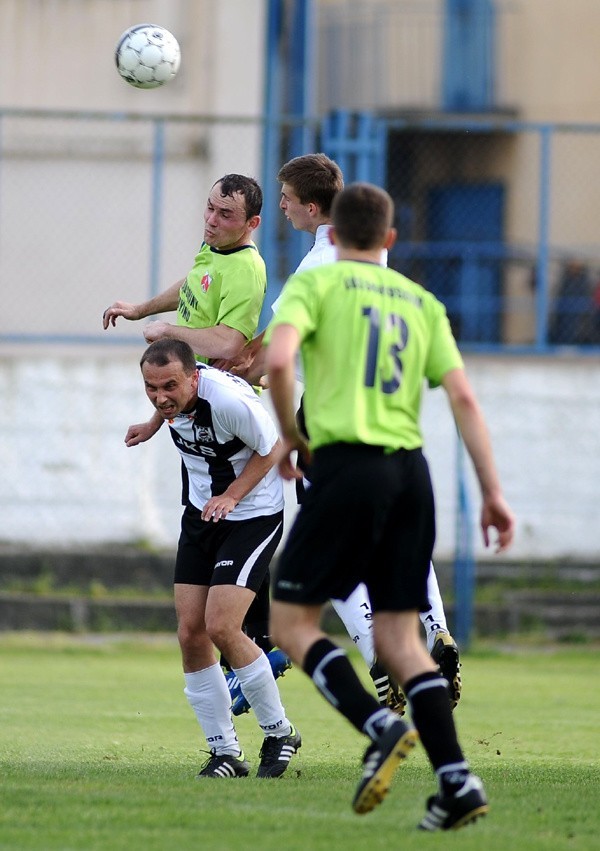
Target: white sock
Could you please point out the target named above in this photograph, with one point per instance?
(356, 615)
(209, 697)
(260, 690)
(434, 619)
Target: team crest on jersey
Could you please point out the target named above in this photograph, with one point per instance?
(205, 282)
(203, 434)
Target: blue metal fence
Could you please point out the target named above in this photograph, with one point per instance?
(496, 217)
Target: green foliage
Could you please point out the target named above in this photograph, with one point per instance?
(99, 751)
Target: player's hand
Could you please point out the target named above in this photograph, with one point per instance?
(496, 514)
(236, 365)
(288, 469)
(119, 308)
(242, 366)
(140, 432)
(218, 507)
(156, 330)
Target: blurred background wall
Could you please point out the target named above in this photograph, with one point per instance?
(482, 120)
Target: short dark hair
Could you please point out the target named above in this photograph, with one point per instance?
(314, 178)
(246, 186)
(163, 352)
(362, 215)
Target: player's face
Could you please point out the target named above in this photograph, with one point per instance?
(295, 212)
(225, 222)
(169, 389)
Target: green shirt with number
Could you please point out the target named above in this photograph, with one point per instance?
(224, 288)
(369, 339)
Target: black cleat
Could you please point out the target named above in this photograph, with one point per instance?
(224, 765)
(276, 752)
(388, 691)
(380, 761)
(445, 654)
(455, 811)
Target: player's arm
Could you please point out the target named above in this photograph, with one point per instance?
(162, 303)
(281, 370)
(140, 432)
(218, 507)
(250, 364)
(219, 341)
(469, 418)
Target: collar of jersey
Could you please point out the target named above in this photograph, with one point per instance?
(232, 250)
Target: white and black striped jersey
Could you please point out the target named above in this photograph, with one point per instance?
(217, 439)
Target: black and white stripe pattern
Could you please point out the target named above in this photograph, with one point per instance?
(217, 439)
(286, 753)
(226, 769)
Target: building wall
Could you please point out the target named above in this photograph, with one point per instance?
(68, 478)
(59, 54)
(390, 51)
(549, 61)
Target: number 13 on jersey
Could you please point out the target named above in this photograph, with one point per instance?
(385, 326)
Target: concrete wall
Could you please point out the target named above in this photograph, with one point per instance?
(59, 54)
(68, 479)
(66, 476)
(549, 59)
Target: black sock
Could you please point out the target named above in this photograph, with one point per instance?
(258, 631)
(332, 673)
(429, 702)
(256, 622)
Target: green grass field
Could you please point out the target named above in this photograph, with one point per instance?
(98, 750)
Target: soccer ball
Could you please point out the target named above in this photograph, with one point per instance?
(147, 56)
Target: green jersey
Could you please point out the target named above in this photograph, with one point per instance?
(369, 338)
(224, 288)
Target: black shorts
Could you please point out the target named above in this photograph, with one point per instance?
(367, 517)
(303, 483)
(230, 552)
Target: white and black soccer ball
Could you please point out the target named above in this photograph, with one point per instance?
(147, 56)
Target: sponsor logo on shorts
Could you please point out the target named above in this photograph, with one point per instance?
(225, 563)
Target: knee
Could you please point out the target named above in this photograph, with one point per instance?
(190, 636)
(218, 631)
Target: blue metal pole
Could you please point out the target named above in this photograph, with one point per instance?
(289, 87)
(300, 90)
(542, 277)
(302, 75)
(270, 160)
(464, 562)
(158, 162)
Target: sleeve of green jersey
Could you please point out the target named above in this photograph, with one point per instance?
(443, 352)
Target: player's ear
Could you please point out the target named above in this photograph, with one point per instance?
(390, 239)
(332, 235)
(253, 222)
